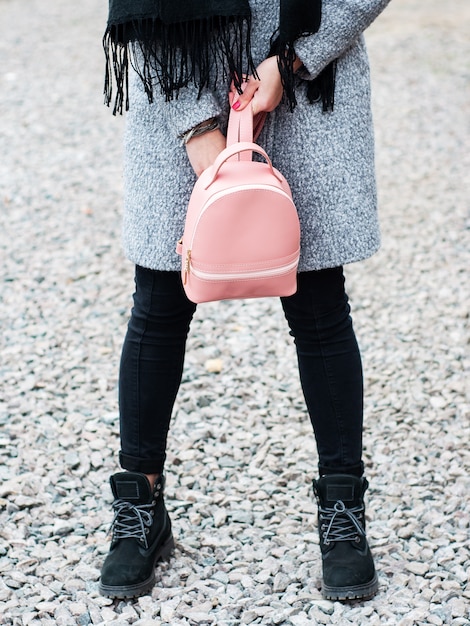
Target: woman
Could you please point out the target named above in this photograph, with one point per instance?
(305, 65)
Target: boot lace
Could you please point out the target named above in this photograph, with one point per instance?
(132, 521)
(341, 524)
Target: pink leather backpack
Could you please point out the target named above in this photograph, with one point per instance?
(242, 236)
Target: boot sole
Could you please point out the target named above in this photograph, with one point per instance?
(358, 592)
(140, 589)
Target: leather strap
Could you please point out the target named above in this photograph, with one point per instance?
(240, 129)
(244, 128)
(237, 150)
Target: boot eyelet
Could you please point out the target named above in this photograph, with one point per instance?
(357, 539)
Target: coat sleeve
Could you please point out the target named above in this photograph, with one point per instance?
(187, 110)
(343, 21)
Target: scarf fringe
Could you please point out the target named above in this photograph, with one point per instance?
(285, 63)
(320, 88)
(201, 52)
(323, 87)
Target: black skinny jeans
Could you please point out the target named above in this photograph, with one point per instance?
(328, 356)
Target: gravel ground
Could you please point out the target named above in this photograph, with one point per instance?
(242, 455)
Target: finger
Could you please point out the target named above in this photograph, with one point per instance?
(240, 102)
(233, 88)
(233, 93)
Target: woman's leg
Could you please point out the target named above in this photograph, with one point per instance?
(151, 367)
(331, 375)
(330, 368)
(150, 375)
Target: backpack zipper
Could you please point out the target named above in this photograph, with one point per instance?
(254, 274)
(187, 266)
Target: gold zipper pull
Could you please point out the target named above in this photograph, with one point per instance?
(187, 266)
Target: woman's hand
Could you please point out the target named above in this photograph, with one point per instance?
(204, 149)
(265, 92)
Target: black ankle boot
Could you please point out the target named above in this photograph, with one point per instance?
(141, 536)
(348, 567)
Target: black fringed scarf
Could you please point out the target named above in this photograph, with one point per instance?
(175, 42)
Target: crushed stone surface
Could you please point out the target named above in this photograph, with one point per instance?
(241, 451)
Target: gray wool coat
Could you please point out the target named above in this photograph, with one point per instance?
(327, 158)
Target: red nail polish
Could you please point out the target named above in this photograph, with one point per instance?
(236, 105)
